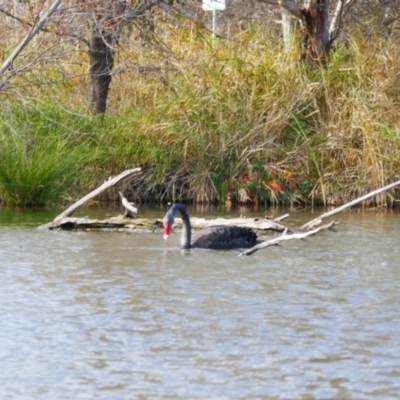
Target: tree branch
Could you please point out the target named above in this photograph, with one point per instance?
(130, 210)
(285, 236)
(37, 27)
(27, 23)
(289, 5)
(337, 18)
(19, 19)
(94, 193)
(337, 210)
(129, 17)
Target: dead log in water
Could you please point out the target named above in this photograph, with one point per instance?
(129, 222)
(122, 223)
(106, 185)
(318, 220)
(285, 236)
(310, 229)
(81, 202)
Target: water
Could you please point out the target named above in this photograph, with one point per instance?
(86, 315)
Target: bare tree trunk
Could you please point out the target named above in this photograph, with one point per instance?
(103, 45)
(109, 18)
(102, 54)
(316, 36)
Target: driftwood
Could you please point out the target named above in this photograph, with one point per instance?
(122, 223)
(129, 221)
(285, 236)
(337, 210)
(118, 223)
(130, 210)
(126, 222)
(96, 192)
(309, 229)
(62, 219)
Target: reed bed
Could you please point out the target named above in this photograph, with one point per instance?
(245, 122)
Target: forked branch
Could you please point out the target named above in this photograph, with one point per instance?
(111, 182)
(309, 229)
(285, 236)
(337, 210)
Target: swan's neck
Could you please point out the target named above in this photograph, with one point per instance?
(169, 221)
(186, 236)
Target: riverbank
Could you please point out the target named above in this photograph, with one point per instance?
(243, 123)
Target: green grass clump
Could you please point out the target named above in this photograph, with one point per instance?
(41, 161)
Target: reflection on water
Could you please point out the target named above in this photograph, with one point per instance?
(123, 316)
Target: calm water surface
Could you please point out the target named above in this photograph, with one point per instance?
(122, 316)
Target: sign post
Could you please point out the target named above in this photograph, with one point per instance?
(214, 5)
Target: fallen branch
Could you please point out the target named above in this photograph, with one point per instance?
(130, 210)
(285, 236)
(111, 182)
(281, 218)
(307, 229)
(337, 210)
(123, 223)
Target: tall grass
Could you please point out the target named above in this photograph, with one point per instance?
(40, 161)
(198, 124)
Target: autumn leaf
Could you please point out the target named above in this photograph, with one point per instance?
(290, 180)
(274, 186)
(244, 179)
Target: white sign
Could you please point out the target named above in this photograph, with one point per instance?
(212, 5)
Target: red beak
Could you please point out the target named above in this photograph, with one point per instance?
(167, 231)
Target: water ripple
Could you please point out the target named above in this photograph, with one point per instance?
(107, 315)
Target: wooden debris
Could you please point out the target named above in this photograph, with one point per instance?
(281, 218)
(121, 223)
(309, 229)
(285, 236)
(118, 223)
(130, 221)
(337, 210)
(70, 210)
(253, 223)
(130, 210)
(111, 182)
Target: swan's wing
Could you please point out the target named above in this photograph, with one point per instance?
(224, 237)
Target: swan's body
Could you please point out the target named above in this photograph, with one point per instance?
(213, 237)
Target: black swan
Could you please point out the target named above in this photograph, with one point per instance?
(213, 237)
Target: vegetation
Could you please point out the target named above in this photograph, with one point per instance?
(40, 159)
(246, 121)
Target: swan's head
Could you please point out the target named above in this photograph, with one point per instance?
(167, 230)
(169, 220)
